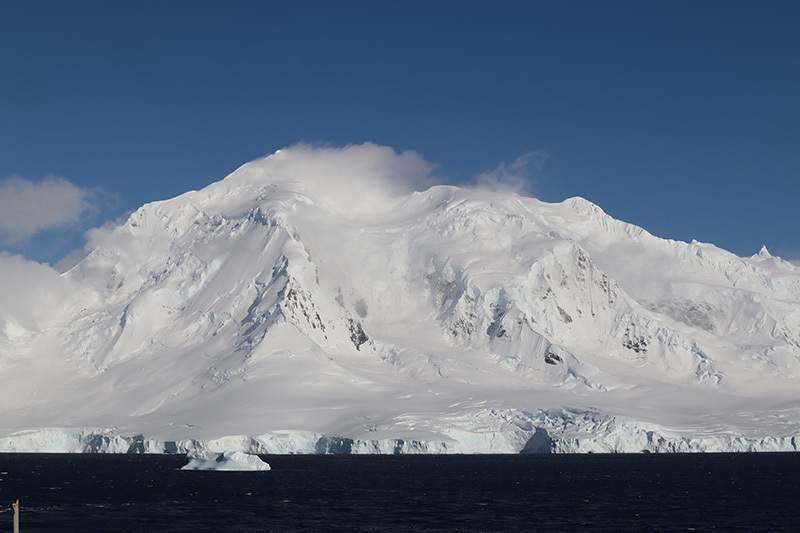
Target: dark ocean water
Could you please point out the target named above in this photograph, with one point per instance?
(726, 492)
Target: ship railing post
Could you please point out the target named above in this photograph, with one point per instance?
(15, 512)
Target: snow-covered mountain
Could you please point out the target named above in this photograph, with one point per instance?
(283, 310)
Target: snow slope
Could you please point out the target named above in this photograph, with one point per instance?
(281, 310)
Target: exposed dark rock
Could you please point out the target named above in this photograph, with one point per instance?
(551, 358)
(632, 341)
(357, 335)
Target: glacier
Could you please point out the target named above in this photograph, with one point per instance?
(281, 310)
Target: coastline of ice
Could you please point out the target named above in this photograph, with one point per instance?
(629, 437)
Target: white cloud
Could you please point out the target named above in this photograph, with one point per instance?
(28, 207)
(94, 238)
(356, 177)
(516, 176)
(30, 294)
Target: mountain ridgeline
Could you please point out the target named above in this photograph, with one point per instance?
(261, 314)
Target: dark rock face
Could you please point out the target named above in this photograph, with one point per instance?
(357, 335)
(551, 359)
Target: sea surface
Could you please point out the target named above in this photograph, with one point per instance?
(698, 492)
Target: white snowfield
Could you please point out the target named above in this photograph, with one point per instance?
(280, 311)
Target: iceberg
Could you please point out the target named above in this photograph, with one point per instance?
(229, 461)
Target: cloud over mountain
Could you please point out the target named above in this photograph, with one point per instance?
(356, 178)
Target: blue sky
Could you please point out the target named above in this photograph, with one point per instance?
(680, 117)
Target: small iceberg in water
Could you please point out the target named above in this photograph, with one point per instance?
(225, 461)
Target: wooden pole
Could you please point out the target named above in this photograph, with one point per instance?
(15, 512)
